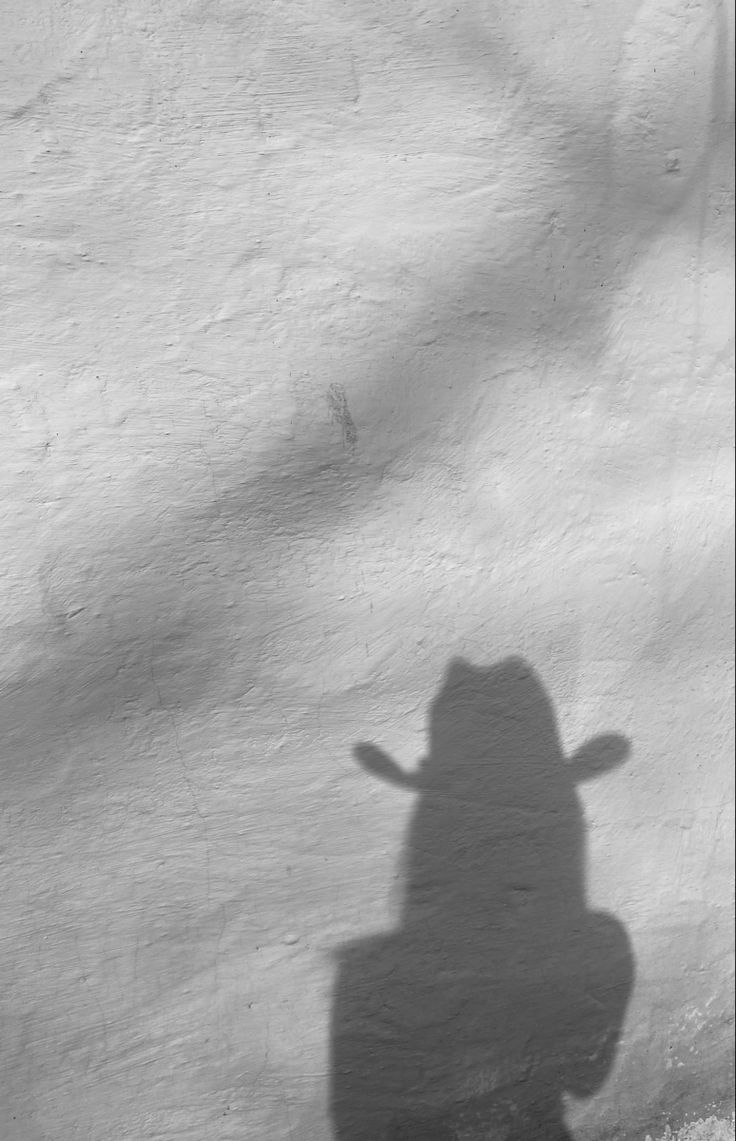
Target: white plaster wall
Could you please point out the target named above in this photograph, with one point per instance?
(342, 340)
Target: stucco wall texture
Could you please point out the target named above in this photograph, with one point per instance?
(367, 585)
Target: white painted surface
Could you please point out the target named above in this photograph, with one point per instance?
(341, 340)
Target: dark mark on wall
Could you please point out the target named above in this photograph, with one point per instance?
(337, 402)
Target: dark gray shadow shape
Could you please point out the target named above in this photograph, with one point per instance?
(500, 990)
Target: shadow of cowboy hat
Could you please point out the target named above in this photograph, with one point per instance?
(511, 693)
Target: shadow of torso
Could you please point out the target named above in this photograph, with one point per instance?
(500, 990)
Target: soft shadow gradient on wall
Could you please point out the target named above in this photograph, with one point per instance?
(499, 991)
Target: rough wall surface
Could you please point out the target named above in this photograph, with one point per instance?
(366, 398)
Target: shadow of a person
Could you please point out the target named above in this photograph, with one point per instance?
(499, 991)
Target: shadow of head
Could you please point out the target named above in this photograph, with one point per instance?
(497, 822)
